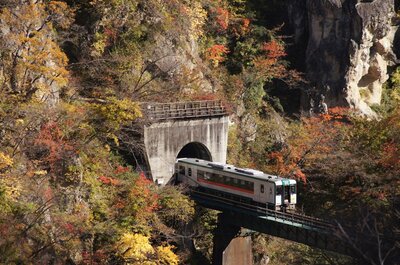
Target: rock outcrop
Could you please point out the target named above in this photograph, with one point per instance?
(349, 50)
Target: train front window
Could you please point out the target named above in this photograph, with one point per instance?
(278, 190)
(182, 170)
(292, 189)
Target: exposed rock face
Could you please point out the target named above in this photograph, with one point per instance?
(349, 50)
(181, 60)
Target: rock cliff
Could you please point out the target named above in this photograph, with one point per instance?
(349, 48)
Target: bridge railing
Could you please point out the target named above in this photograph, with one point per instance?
(183, 110)
(304, 221)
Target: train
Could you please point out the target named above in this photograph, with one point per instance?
(252, 186)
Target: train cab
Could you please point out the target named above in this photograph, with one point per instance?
(285, 195)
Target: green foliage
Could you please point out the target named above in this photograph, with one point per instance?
(390, 95)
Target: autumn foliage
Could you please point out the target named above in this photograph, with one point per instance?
(216, 54)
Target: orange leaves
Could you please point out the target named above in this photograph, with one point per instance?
(300, 175)
(269, 65)
(336, 114)
(285, 163)
(245, 24)
(217, 53)
(109, 181)
(274, 50)
(309, 143)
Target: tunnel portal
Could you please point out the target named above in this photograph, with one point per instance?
(195, 150)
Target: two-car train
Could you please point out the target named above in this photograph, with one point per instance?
(254, 186)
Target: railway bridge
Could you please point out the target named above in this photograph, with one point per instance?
(199, 129)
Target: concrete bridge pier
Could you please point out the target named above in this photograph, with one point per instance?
(229, 247)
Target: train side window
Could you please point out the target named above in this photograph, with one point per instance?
(278, 190)
(262, 188)
(293, 189)
(189, 172)
(215, 177)
(200, 174)
(220, 179)
(252, 186)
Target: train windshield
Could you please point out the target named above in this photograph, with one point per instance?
(278, 190)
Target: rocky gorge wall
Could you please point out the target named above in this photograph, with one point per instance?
(349, 51)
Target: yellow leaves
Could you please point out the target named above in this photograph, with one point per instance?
(135, 246)
(40, 172)
(32, 59)
(5, 161)
(11, 187)
(118, 112)
(166, 256)
(99, 45)
(136, 249)
(61, 13)
(198, 16)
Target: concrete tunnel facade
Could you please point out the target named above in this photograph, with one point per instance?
(199, 138)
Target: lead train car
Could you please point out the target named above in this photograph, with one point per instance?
(252, 185)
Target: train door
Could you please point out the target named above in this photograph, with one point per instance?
(180, 173)
(262, 193)
(286, 194)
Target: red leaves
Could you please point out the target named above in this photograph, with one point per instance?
(221, 18)
(144, 194)
(70, 228)
(52, 139)
(390, 158)
(94, 258)
(120, 170)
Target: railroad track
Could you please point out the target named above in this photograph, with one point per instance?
(263, 212)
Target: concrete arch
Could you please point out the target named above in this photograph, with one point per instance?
(168, 140)
(195, 150)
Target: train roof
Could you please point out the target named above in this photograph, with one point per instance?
(251, 173)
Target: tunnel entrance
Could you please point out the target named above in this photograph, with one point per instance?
(195, 150)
